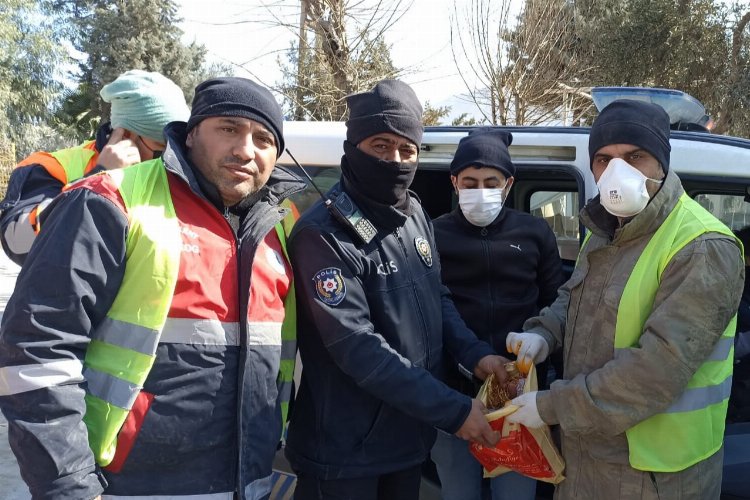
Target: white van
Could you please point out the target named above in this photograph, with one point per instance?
(553, 181)
(553, 176)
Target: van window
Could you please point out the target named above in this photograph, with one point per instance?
(435, 191)
(731, 209)
(560, 210)
(324, 177)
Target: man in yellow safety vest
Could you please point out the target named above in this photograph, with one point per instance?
(646, 321)
(148, 348)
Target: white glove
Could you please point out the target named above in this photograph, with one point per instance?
(529, 348)
(527, 414)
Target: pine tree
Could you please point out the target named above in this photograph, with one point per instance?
(697, 46)
(29, 53)
(340, 51)
(115, 36)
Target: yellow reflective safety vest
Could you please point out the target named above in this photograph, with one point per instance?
(123, 347)
(289, 326)
(692, 428)
(66, 165)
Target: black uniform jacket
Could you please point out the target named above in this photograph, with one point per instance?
(499, 275)
(373, 320)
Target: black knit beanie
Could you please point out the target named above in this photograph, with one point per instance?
(391, 106)
(233, 96)
(626, 121)
(484, 147)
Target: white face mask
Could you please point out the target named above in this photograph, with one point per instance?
(480, 206)
(622, 189)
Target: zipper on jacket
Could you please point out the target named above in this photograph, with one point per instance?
(425, 333)
(244, 301)
(240, 490)
(240, 493)
(241, 362)
(487, 254)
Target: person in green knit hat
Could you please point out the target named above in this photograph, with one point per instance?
(142, 104)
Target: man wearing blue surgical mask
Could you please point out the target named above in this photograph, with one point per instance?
(501, 266)
(646, 322)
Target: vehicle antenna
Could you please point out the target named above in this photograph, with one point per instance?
(312, 183)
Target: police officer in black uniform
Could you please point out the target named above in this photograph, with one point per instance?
(373, 319)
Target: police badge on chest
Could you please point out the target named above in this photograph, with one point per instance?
(424, 250)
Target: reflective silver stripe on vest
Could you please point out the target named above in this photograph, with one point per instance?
(264, 333)
(701, 397)
(111, 389)
(259, 489)
(207, 496)
(128, 335)
(25, 378)
(721, 351)
(285, 387)
(288, 349)
(19, 234)
(200, 332)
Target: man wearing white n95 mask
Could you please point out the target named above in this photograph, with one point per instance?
(501, 266)
(647, 322)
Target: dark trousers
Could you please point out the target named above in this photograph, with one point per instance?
(399, 485)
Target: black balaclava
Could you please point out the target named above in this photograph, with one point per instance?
(381, 181)
(391, 106)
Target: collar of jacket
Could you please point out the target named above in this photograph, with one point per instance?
(602, 223)
(385, 217)
(282, 183)
(102, 136)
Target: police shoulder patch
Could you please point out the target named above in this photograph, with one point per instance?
(330, 286)
(424, 250)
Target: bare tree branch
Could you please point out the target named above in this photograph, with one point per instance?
(340, 50)
(517, 62)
